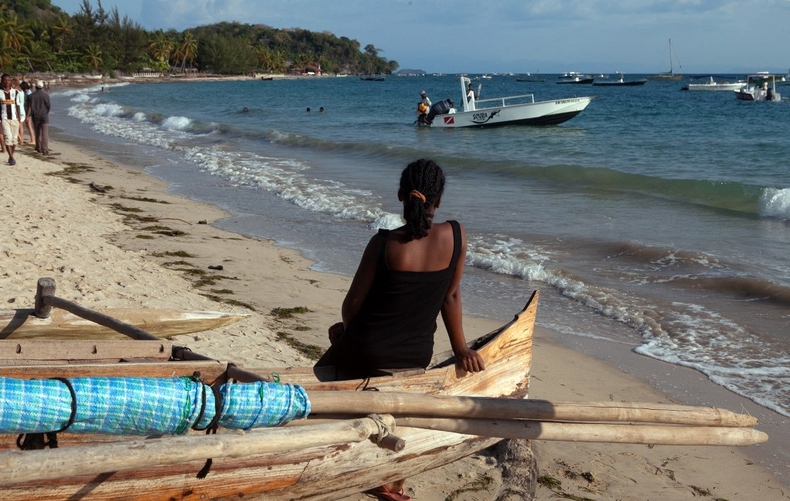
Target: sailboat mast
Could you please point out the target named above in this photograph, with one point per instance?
(671, 68)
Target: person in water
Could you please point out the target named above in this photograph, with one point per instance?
(406, 277)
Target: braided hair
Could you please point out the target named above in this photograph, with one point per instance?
(421, 185)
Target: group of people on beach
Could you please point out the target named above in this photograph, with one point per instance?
(24, 108)
(406, 277)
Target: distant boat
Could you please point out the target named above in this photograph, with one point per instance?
(713, 85)
(670, 75)
(759, 87)
(530, 78)
(574, 78)
(373, 78)
(621, 82)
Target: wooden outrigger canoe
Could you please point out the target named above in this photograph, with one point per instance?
(314, 472)
(164, 323)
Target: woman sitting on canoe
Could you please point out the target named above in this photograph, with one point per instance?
(406, 277)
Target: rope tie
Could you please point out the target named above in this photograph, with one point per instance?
(211, 429)
(384, 429)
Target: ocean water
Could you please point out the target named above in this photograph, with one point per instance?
(656, 218)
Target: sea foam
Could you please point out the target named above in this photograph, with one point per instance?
(775, 202)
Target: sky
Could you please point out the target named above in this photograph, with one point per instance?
(518, 36)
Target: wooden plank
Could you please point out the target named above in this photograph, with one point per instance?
(209, 370)
(27, 350)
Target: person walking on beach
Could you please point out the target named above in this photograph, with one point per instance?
(26, 87)
(12, 113)
(406, 277)
(39, 109)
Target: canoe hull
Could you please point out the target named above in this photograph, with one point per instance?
(317, 473)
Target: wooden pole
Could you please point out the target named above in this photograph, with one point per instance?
(586, 432)
(402, 404)
(46, 299)
(47, 464)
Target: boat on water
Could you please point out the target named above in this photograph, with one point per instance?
(528, 77)
(376, 78)
(575, 78)
(760, 87)
(620, 82)
(670, 75)
(509, 110)
(714, 85)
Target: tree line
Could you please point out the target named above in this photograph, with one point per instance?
(36, 36)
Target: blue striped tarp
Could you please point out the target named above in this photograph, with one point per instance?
(144, 406)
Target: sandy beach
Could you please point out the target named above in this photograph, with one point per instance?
(132, 244)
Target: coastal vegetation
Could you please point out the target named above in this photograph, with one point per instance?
(36, 36)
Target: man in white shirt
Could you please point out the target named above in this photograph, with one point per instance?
(12, 112)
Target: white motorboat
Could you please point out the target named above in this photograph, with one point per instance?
(510, 110)
(713, 85)
(760, 87)
(574, 78)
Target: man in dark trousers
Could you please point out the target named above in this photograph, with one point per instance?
(39, 109)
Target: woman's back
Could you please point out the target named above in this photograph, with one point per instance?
(433, 252)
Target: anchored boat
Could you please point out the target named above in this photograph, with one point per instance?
(510, 110)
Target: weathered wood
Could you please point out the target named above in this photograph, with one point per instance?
(586, 432)
(209, 370)
(318, 473)
(23, 324)
(29, 466)
(542, 410)
(26, 351)
(45, 287)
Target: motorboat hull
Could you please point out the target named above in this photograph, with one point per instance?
(539, 113)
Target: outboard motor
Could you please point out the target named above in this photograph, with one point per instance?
(440, 108)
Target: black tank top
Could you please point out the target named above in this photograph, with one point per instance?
(395, 326)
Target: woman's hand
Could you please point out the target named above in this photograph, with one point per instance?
(469, 360)
(336, 331)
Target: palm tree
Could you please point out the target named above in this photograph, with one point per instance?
(187, 48)
(60, 30)
(161, 46)
(15, 33)
(93, 57)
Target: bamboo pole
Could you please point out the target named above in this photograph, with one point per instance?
(586, 432)
(28, 466)
(366, 402)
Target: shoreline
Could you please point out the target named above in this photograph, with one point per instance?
(133, 266)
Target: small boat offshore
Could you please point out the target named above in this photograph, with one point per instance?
(509, 110)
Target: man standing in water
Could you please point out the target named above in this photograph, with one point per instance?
(39, 109)
(12, 112)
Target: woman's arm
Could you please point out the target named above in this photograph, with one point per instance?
(452, 315)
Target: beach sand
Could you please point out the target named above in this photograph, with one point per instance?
(101, 254)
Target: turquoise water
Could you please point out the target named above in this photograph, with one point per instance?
(656, 218)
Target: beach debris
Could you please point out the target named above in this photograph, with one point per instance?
(215, 267)
(96, 188)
